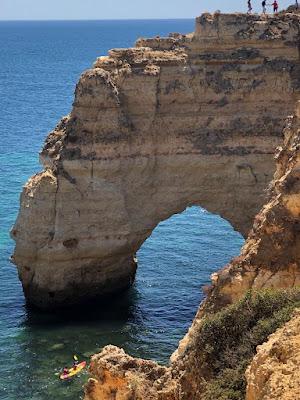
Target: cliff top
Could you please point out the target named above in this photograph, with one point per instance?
(212, 31)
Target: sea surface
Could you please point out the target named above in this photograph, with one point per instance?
(40, 63)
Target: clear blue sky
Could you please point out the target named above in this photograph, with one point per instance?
(116, 9)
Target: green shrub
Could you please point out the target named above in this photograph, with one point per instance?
(229, 338)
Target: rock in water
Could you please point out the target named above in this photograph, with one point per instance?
(179, 121)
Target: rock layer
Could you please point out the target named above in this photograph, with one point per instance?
(186, 120)
(271, 254)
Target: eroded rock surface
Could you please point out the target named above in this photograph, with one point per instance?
(186, 120)
(271, 254)
(274, 371)
(117, 374)
(269, 259)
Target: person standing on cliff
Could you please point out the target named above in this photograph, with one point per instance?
(249, 7)
(264, 6)
(275, 6)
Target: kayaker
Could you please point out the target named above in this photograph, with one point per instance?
(75, 365)
(73, 371)
(75, 362)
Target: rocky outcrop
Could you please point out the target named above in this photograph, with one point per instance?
(295, 8)
(186, 120)
(274, 371)
(119, 376)
(269, 259)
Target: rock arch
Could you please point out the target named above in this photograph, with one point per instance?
(186, 120)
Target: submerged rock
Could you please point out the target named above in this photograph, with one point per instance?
(88, 354)
(57, 346)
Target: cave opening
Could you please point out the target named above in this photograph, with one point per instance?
(174, 264)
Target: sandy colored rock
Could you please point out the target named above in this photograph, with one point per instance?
(186, 120)
(115, 375)
(269, 259)
(274, 371)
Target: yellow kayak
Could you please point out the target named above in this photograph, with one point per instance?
(73, 371)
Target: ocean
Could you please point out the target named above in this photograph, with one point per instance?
(40, 63)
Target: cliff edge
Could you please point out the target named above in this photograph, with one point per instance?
(186, 120)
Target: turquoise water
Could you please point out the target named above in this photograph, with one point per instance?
(40, 63)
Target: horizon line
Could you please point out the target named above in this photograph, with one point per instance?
(95, 20)
(128, 19)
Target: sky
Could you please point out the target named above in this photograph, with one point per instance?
(119, 9)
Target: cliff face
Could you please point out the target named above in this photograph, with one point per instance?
(274, 371)
(170, 123)
(271, 254)
(269, 259)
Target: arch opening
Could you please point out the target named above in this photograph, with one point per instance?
(174, 263)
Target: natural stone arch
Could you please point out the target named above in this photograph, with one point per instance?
(95, 241)
(191, 120)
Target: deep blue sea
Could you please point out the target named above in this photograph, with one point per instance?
(40, 63)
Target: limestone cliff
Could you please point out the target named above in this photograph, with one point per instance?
(274, 371)
(189, 119)
(269, 259)
(271, 255)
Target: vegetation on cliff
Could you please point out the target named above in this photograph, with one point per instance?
(228, 339)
